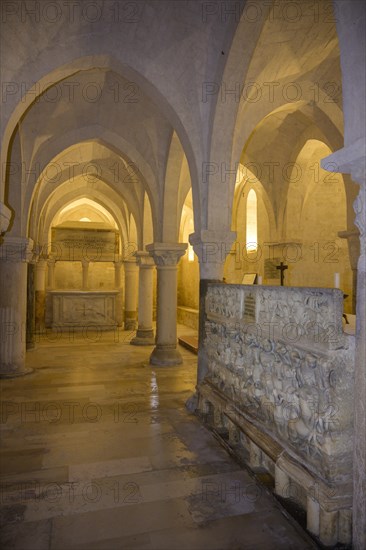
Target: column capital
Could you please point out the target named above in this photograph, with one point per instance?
(16, 249)
(212, 247)
(5, 215)
(351, 160)
(166, 254)
(144, 260)
(353, 239)
(348, 160)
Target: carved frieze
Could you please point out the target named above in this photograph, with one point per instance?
(295, 314)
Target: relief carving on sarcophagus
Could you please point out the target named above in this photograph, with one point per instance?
(289, 370)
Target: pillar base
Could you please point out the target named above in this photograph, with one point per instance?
(144, 337)
(165, 357)
(130, 325)
(15, 373)
(130, 320)
(192, 403)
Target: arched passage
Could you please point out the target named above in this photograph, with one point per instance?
(319, 200)
(188, 273)
(76, 69)
(247, 256)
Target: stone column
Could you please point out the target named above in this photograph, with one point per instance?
(211, 247)
(117, 275)
(118, 286)
(359, 455)
(166, 257)
(31, 306)
(51, 263)
(85, 268)
(312, 515)
(282, 483)
(15, 252)
(131, 287)
(352, 160)
(351, 21)
(40, 293)
(145, 332)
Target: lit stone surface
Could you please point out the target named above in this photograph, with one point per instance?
(221, 122)
(122, 465)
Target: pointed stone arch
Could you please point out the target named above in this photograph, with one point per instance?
(15, 109)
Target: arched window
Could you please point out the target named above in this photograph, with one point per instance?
(252, 229)
(190, 247)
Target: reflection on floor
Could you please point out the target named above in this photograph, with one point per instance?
(98, 452)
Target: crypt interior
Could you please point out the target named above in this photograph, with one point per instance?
(182, 274)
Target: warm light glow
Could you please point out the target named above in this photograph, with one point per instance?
(252, 229)
(188, 228)
(87, 209)
(85, 220)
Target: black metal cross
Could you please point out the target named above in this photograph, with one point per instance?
(282, 267)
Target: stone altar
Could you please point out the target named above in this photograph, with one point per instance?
(79, 309)
(279, 390)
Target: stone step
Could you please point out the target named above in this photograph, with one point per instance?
(189, 342)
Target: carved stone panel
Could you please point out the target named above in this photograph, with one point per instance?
(291, 384)
(80, 309)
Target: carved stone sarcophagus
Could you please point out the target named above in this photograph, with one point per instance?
(280, 378)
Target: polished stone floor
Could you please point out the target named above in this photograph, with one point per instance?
(98, 452)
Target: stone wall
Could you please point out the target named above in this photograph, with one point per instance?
(187, 316)
(68, 275)
(188, 283)
(280, 376)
